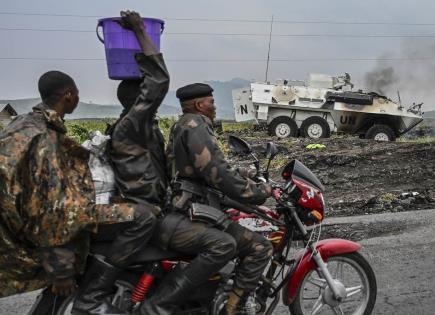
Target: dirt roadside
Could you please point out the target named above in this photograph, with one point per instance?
(360, 176)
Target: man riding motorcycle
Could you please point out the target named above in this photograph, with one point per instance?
(47, 205)
(197, 162)
(136, 151)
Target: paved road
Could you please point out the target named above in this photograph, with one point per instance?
(403, 261)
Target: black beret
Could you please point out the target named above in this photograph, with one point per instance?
(192, 91)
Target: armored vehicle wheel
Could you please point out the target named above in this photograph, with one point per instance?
(283, 127)
(380, 133)
(315, 128)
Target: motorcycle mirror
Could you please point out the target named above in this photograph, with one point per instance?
(238, 145)
(271, 150)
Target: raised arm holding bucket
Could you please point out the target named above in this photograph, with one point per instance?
(121, 44)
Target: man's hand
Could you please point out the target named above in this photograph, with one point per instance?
(64, 287)
(132, 21)
(276, 193)
(268, 188)
(272, 191)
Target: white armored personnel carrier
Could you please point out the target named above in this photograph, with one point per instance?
(326, 104)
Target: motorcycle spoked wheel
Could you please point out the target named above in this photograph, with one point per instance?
(358, 279)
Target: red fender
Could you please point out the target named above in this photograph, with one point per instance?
(327, 248)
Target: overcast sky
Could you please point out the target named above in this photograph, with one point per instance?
(18, 77)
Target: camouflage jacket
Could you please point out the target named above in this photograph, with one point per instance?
(193, 153)
(46, 202)
(136, 148)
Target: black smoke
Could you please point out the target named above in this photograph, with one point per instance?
(410, 70)
(381, 80)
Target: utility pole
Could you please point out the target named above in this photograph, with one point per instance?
(268, 52)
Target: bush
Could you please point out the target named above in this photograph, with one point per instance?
(165, 125)
(80, 129)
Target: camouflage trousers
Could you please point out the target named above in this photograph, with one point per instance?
(127, 238)
(21, 267)
(215, 248)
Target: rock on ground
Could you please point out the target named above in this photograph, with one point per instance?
(360, 176)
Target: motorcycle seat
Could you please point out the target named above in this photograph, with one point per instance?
(149, 254)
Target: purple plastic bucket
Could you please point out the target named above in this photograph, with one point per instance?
(121, 45)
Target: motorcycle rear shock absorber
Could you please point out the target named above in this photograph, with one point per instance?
(143, 286)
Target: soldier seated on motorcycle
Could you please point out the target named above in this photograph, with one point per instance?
(136, 148)
(47, 203)
(194, 155)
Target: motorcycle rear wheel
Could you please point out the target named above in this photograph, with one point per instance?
(354, 273)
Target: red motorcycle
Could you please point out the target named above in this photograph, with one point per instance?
(325, 277)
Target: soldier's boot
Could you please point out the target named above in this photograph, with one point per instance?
(168, 297)
(96, 289)
(236, 302)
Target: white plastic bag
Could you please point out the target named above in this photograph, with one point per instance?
(102, 172)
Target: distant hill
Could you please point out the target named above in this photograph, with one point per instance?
(222, 94)
(87, 110)
(170, 106)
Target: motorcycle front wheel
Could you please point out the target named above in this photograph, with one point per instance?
(353, 274)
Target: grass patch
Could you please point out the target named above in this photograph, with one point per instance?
(278, 162)
(417, 140)
(237, 126)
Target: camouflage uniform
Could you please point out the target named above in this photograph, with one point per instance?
(195, 155)
(46, 203)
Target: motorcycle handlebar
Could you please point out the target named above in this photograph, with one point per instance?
(250, 209)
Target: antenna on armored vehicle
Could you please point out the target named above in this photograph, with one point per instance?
(400, 101)
(268, 51)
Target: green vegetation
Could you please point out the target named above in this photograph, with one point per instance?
(417, 140)
(234, 126)
(165, 125)
(278, 162)
(387, 198)
(80, 129)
